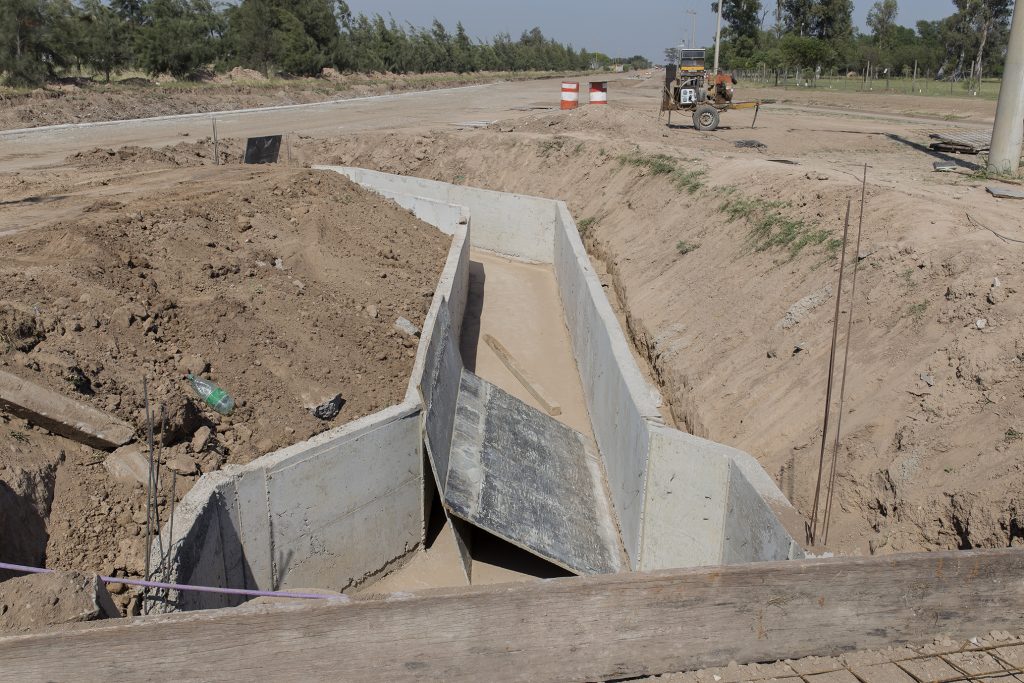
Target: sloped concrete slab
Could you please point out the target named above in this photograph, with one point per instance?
(530, 480)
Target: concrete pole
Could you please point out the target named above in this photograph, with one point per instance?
(693, 28)
(1008, 134)
(718, 35)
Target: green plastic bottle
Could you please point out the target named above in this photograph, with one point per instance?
(213, 395)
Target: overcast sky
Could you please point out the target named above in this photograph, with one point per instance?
(615, 27)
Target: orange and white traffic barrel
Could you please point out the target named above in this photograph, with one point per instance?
(570, 95)
(599, 92)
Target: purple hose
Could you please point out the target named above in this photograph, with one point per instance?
(182, 587)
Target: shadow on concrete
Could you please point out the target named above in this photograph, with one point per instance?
(211, 554)
(471, 320)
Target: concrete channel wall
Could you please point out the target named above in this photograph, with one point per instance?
(623, 406)
(334, 511)
(352, 503)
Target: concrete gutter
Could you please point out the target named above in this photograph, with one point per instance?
(350, 504)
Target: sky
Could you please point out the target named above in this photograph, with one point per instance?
(619, 28)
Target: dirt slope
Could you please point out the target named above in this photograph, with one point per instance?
(726, 258)
(282, 285)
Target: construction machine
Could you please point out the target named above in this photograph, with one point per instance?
(690, 87)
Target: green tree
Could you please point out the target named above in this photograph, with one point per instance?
(882, 22)
(985, 18)
(106, 38)
(179, 37)
(30, 41)
(804, 52)
(741, 17)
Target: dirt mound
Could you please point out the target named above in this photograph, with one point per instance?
(198, 153)
(240, 74)
(281, 285)
(607, 121)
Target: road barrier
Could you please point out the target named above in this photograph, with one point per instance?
(599, 92)
(570, 95)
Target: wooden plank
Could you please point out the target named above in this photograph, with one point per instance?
(576, 629)
(525, 378)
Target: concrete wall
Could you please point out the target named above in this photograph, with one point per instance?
(622, 404)
(351, 502)
(333, 511)
(514, 225)
(637, 449)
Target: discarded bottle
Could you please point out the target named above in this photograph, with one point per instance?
(213, 395)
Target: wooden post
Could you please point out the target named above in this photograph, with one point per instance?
(216, 145)
(913, 84)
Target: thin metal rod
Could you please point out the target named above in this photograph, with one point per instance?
(156, 479)
(813, 531)
(170, 524)
(846, 361)
(149, 480)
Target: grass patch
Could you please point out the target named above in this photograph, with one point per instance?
(585, 225)
(685, 248)
(549, 147)
(771, 228)
(1012, 435)
(917, 310)
(685, 179)
(19, 436)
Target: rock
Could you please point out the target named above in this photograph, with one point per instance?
(981, 323)
(193, 364)
(200, 439)
(327, 409)
(181, 420)
(800, 346)
(371, 311)
(996, 294)
(60, 415)
(798, 311)
(927, 379)
(128, 464)
(406, 327)
(182, 464)
(19, 330)
(244, 223)
(39, 600)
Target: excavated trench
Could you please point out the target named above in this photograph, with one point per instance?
(527, 418)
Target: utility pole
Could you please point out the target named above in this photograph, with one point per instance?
(1008, 133)
(718, 36)
(693, 28)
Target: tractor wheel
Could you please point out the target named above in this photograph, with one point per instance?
(705, 118)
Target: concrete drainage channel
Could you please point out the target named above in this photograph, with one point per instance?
(348, 507)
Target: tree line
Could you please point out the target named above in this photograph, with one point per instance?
(820, 34)
(43, 39)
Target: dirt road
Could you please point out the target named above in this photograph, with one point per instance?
(48, 146)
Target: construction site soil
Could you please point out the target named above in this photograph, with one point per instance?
(725, 259)
(280, 284)
(722, 249)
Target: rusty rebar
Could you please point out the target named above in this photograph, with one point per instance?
(830, 493)
(813, 530)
